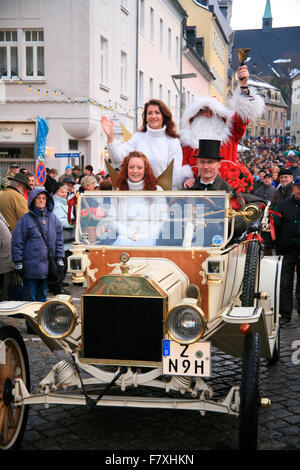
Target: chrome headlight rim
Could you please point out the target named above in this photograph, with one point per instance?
(195, 309)
(73, 319)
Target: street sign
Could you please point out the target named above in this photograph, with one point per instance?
(67, 155)
(41, 173)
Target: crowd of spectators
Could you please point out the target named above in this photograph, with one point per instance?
(273, 167)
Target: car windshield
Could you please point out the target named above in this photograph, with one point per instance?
(152, 218)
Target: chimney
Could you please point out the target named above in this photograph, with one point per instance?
(190, 35)
(199, 45)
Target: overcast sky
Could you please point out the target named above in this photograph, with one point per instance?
(247, 14)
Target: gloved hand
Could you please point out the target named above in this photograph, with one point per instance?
(60, 264)
(19, 268)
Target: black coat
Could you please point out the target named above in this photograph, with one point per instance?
(218, 185)
(51, 185)
(282, 193)
(288, 228)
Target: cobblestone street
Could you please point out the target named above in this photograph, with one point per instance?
(76, 428)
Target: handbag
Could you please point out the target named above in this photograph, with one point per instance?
(69, 234)
(54, 274)
(17, 290)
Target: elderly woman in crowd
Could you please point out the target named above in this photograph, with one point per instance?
(29, 250)
(61, 212)
(6, 264)
(89, 183)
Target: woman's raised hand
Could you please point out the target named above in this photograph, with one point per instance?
(108, 127)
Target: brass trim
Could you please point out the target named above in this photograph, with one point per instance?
(214, 282)
(200, 313)
(117, 362)
(74, 318)
(120, 361)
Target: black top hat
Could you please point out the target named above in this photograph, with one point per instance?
(20, 178)
(209, 149)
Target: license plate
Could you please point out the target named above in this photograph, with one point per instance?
(186, 359)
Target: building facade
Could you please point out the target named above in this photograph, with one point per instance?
(213, 30)
(295, 110)
(273, 122)
(159, 42)
(68, 62)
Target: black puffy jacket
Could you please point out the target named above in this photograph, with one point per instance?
(288, 227)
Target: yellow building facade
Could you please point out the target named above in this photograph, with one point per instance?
(215, 44)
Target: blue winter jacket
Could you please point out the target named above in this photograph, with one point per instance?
(28, 246)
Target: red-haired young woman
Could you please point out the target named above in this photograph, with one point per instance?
(136, 173)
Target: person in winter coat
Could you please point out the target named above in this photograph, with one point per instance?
(12, 201)
(288, 245)
(267, 191)
(29, 251)
(6, 264)
(51, 183)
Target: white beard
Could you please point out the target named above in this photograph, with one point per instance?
(205, 128)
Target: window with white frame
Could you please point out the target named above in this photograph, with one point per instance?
(161, 33)
(160, 91)
(151, 24)
(151, 87)
(177, 51)
(34, 53)
(169, 99)
(142, 16)
(169, 43)
(176, 107)
(123, 73)
(8, 54)
(141, 88)
(103, 60)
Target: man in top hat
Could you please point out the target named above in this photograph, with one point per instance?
(208, 164)
(287, 231)
(12, 201)
(208, 118)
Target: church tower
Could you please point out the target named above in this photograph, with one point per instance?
(267, 18)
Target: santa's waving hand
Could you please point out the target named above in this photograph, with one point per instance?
(208, 118)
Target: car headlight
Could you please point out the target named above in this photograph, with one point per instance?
(186, 323)
(57, 318)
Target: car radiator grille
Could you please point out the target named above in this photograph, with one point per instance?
(118, 329)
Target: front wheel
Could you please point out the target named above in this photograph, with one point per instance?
(249, 393)
(13, 365)
(251, 275)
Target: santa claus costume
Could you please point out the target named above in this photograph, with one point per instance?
(227, 124)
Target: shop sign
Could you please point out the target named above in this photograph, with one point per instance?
(17, 132)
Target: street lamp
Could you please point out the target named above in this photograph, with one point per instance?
(181, 76)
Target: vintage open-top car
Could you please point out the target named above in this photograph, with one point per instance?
(172, 278)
